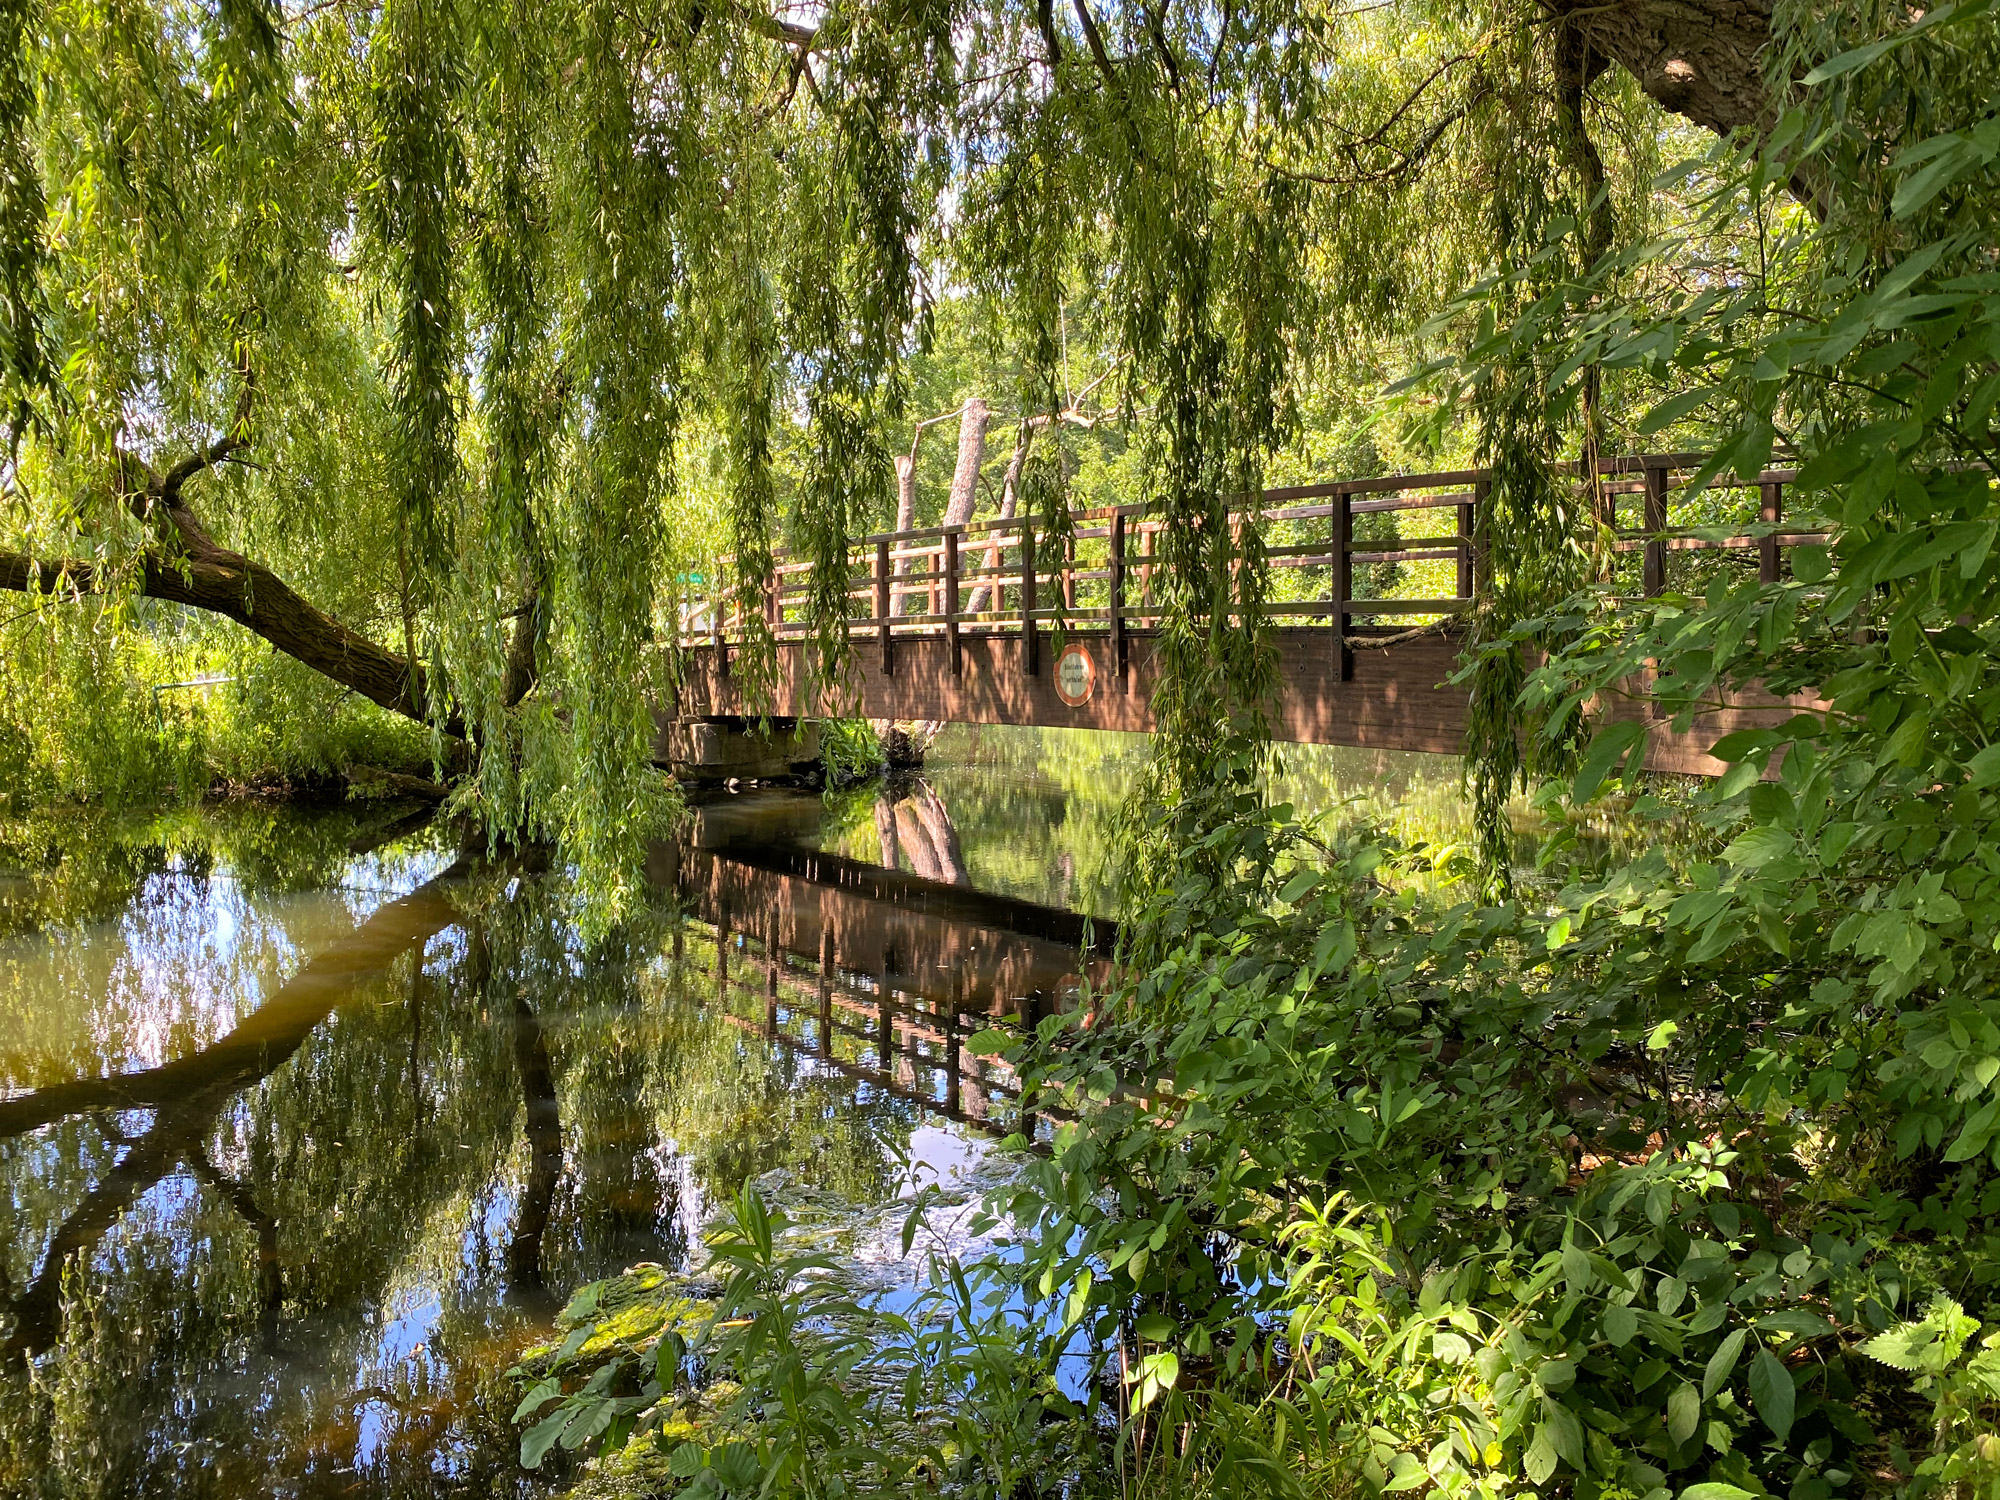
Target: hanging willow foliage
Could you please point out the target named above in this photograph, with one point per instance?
(415, 304)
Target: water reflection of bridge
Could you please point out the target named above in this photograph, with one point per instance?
(875, 975)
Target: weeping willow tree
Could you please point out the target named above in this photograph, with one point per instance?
(376, 330)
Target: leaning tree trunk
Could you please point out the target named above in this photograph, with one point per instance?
(186, 565)
(1010, 499)
(971, 451)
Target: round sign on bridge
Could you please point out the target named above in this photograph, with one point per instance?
(1076, 675)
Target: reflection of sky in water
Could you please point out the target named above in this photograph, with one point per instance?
(389, 1152)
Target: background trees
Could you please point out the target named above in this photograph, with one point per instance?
(435, 342)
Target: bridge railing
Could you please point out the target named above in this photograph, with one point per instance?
(1359, 556)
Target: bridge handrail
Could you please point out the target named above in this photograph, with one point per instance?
(1110, 555)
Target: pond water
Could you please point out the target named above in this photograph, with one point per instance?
(308, 1123)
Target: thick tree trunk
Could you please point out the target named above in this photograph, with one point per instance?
(1010, 500)
(257, 599)
(1702, 59)
(189, 567)
(971, 452)
(906, 491)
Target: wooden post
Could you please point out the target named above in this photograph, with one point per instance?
(1770, 508)
(1118, 594)
(1654, 576)
(951, 602)
(1475, 565)
(1464, 510)
(715, 614)
(1030, 647)
(1069, 573)
(773, 611)
(882, 605)
(885, 1024)
(1343, 579)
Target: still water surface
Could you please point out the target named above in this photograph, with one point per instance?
(307, 1124)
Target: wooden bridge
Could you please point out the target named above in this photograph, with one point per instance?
(990, 624)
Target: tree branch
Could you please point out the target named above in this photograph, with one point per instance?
(229, 584)
(1095, 41)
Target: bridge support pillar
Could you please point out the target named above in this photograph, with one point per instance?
(728, 747)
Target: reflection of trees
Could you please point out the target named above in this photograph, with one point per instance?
(187, 1095)
(450, 1108)
(917, 825)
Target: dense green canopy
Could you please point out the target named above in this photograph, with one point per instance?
(432, 341)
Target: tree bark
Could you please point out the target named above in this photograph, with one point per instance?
(188, 566)
(226, 583)
(906, 490)
(1010, 500)
(1701, 59)
(971, 451)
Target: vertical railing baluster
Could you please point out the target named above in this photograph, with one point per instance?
(1464, 511)
(1769, 510)
(1030, 647)
(1147, 535)
(1343, 579)
(1482, 493)
(882, 605)
(716, 607)
(1653, 580)
(1117, 590)
(951, 601)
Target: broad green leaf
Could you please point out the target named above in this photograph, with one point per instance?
(1539, 1462)
(1773, 1392)
(1721, 1365)
(1565, 1431)
(1619, 1324)
(1612, 746)
(537, 1440)
(1683, 1412)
